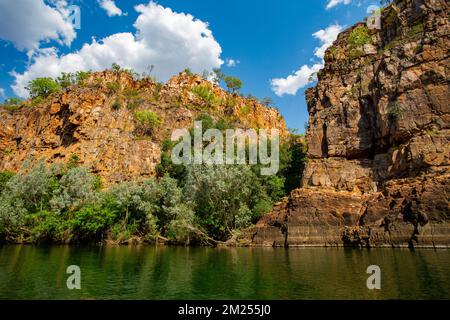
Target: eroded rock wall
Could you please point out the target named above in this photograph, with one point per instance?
(94, 123)
(378, 139)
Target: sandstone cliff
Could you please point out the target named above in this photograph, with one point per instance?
(378, 172)
(94, 123)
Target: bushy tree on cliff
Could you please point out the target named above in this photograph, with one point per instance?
(42, 87)
(233, 84)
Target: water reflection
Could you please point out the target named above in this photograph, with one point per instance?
(157, 272)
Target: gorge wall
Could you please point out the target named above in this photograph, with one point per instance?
(378, 172)
(94, 123)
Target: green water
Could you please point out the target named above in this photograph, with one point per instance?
(150, 272)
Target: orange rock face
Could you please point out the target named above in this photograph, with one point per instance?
(94, 123)
(379, 130)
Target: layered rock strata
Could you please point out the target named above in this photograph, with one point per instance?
(378, 172)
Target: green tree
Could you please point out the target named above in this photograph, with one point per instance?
(12, 102)
(5, 176)
(42, 87)
(23, 194)
(77, 188)
(221, 196)
(66, 79)
(267, 101)
(233, 84)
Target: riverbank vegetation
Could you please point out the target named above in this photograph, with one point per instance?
(182, 204)
(197, 204)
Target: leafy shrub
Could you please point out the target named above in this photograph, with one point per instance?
(205, 93)
(12, 104)
(5, 176)
(77, 188)
(293, 157)
(331, 53)
(91, 223)
(359, 37)
(66, 79)
(203, 202)
(47, 226)
(245, 110)
(130, 93)
(42, 87)
(22, 194)
(220, 195)
(233, 84)
(147, 121)
(116, 105)
(81, 76)
(394, 111)
(8, 151)
(267, 101)
(116, 67)
(37, 101)
(113, 87)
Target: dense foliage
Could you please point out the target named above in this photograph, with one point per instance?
(43, 87)
(197, 203)
(184, 204)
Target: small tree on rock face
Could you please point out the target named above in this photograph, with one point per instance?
(116, 67)
(233, 84)
(267, 101)
(42, 87)
(66, 79)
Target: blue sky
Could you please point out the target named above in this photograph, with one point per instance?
(266, 40)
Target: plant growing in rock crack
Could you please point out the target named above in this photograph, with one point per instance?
(358, 38)
(147, 121)
(206, 94)
(116, 105)
(394, 111)
(113, 87)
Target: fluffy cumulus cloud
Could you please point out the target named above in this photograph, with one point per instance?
(305, 75)
(29, 23)
(2, 93)
(168, 40)
(110, 8)
(294, 82)
(334, 3)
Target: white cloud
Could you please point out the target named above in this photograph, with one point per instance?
(2, 93)
(334, 3)
(232, 63)
(305, 75)
(168, 40)
(28, 23)
(327, 37)
(110, 8)
(293, 83)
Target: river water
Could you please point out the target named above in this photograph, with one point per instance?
(158, 272)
